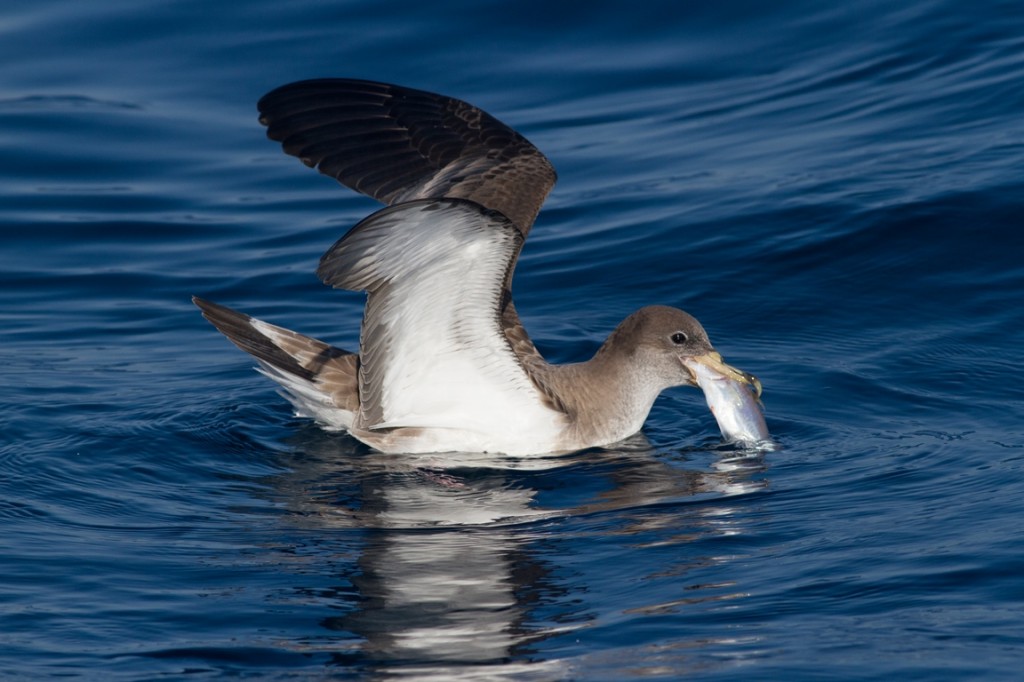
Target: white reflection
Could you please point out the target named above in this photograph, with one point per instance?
(448, 572)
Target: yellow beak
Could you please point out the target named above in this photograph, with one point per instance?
(714, 362)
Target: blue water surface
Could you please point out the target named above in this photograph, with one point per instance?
(835, 190)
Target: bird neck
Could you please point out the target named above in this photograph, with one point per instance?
(610, 394)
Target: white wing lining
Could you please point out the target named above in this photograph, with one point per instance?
(433, 354)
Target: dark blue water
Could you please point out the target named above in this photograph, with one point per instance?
(835, 190)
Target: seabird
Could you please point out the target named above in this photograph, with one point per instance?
(444, 363)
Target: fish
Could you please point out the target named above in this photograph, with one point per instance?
(733, 396)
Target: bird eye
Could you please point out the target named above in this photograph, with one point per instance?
(679, 338)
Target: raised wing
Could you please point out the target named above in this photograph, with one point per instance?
(433, 352)
(397, 144)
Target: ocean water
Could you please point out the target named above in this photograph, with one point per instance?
(835, 190)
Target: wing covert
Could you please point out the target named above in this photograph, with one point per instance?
(398, 144)
(432, 345)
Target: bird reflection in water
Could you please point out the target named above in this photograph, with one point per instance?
(448, 557)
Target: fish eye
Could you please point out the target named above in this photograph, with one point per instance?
(679, 338)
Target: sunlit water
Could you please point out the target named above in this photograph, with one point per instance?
(834, 190)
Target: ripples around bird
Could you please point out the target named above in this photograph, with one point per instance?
(833, 190)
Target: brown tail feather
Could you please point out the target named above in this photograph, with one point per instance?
(315, 375)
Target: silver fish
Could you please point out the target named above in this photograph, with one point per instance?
(733, 397)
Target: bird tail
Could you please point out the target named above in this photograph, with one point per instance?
(319, 380)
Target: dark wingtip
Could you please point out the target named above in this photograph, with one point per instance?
(391, 142)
